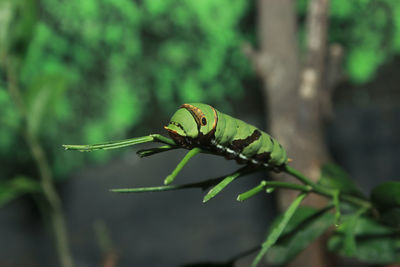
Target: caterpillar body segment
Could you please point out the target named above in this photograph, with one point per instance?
(200, 125)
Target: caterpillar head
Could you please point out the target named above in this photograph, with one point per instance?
(192, 122)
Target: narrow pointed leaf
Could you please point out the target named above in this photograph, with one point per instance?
(336, 202)
(151, 151)
(170, 178)
(303, 228)
(278, 229)
(252, 192)
(216, 189)
(121, 143)
(350, 246)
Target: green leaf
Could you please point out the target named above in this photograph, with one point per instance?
(16, 187)
(350, 246)
(386, 198)
(193, 152)
(252, 192)
(121, 143)
(304, 227)
(386, 195)
(375, 243)
(277, 229)
(151, 151)
(226, 180)
(336, 178)
(218, 188)
(336, 202)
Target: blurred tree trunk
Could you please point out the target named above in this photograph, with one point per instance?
(296, 89)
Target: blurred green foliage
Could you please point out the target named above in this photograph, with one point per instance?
(94, 70)
(374, 243)
(18, 186)
(369, 31)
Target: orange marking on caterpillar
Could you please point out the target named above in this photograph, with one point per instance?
(215, 118)
(169, 130)
(198, 114)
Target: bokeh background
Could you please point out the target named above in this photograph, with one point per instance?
(96, 70)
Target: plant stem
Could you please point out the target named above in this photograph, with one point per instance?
(272, 184)
(46, 178)
(292, 171)
(285, 185)
(328, 192)
(151, 151)
(356, 200)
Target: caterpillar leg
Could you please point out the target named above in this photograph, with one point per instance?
(193, 152)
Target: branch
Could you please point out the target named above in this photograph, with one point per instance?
(46, 177)
(324, 191)
(204, 185)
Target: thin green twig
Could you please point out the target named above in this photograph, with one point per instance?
(272, 184)
(202, 185)
(292, 171)
(122, 143)
(328, 192)
(56, 214)
(155, 150)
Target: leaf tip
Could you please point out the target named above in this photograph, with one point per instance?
(206, 198)
(269, 190)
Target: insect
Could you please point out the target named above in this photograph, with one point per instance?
(203, 129)
(201, 125)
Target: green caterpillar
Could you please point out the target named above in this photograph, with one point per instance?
(201, 125)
